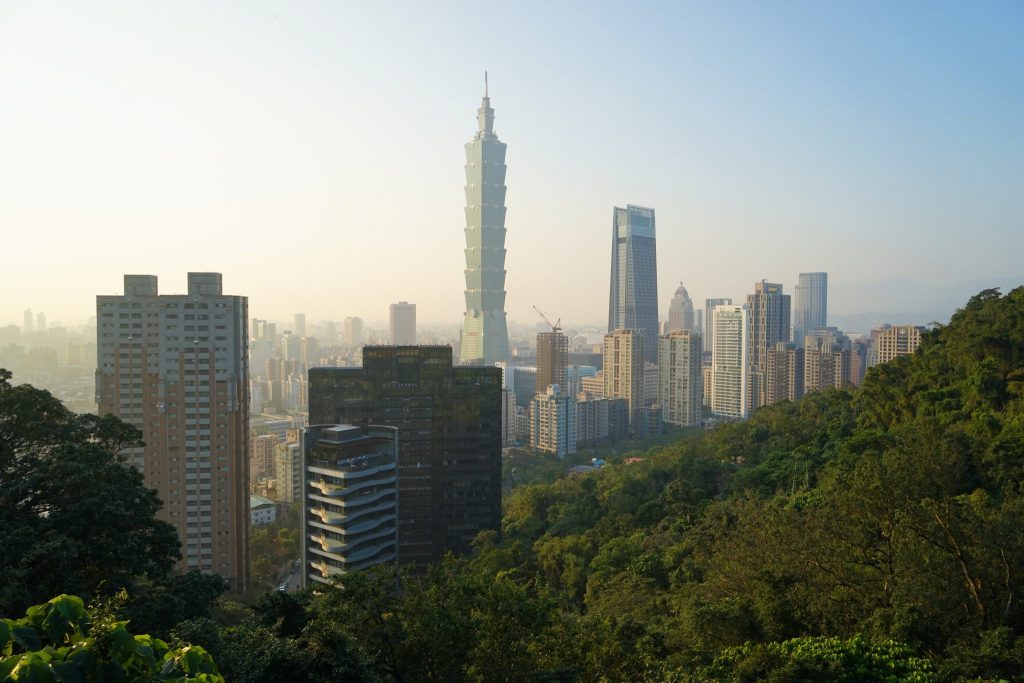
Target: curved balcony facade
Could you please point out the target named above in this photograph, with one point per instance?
(350, 515)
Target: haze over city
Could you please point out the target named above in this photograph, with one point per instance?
(313, 153)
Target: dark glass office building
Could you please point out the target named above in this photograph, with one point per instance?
(449, 439)
(633, 297)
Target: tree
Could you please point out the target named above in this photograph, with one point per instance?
(61, 641)
(73, 514)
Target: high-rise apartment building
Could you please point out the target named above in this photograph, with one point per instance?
(41, 322)
(810, 307)
(633, 297)
(402, 320)
(768, 324)
(553, 422)
(729, 361)
(175, 366)
(552, 360)
(352, 331)
(350, 499)
(680, 382)
(261, 461)
(680, 312)
(826, 360)
(288, 471)
(485, 328)
(600, 419)
(623, 369)
(709, 332)
(898, 340)
(29, 322)
(299, 325)
(449, 439)
(784, 373)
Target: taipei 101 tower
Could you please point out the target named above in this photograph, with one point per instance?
(484, 329)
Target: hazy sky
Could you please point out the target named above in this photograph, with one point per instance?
(313, 152)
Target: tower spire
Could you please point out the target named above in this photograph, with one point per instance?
(485, 84)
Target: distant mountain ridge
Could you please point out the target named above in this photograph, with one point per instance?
(859, 306)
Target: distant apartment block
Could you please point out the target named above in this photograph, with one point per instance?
(768, 324)
(898, 340)
(553, 422)
(680, 380)
(729, 361)
(402, 320)
(624, 369)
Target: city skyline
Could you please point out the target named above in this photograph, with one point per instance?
(914, 166)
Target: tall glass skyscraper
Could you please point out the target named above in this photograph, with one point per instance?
(484, 328)
(633, 297)
(810, 310)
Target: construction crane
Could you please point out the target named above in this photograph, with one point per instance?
(555, 327)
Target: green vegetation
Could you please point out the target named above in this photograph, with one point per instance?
(271, 547)
(865, 535)
(61, 641)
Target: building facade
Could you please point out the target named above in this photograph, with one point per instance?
(826, 360)
(552, 360)
(350, 499)
(810, 307)
(633, 297)
(175, 367)
(729, 362)
(553, 422)
(449, 436)
(783, 373)
(623, 372)
(402, 323)
(709, 331)
(898, 340)
(485, 328)
(680, 382)
(768, 324)
(680, 312)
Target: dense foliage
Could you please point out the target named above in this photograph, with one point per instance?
(72, 514)
(61, 641)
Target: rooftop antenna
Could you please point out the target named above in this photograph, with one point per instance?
(485, 84)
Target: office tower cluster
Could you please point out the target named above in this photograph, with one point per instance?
(176, 367)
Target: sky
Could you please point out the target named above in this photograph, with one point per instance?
(312, 152)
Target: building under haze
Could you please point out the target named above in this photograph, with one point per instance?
(680, 382)
(623, 370)
(552, 360)
(299, 325)
(633, 296)
(352, 332)
(485, 328)
(402, 322)
(729, 361)
(898, 340)
(709, 332)
(810, 305)
(768, 324)
(175, 366)
(449, 439)
(680, 312)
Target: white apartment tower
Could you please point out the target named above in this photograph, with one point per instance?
(680, 380)
(729, 361)
(553, 422)
(175, 366)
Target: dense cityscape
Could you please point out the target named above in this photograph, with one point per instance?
(729, 488)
